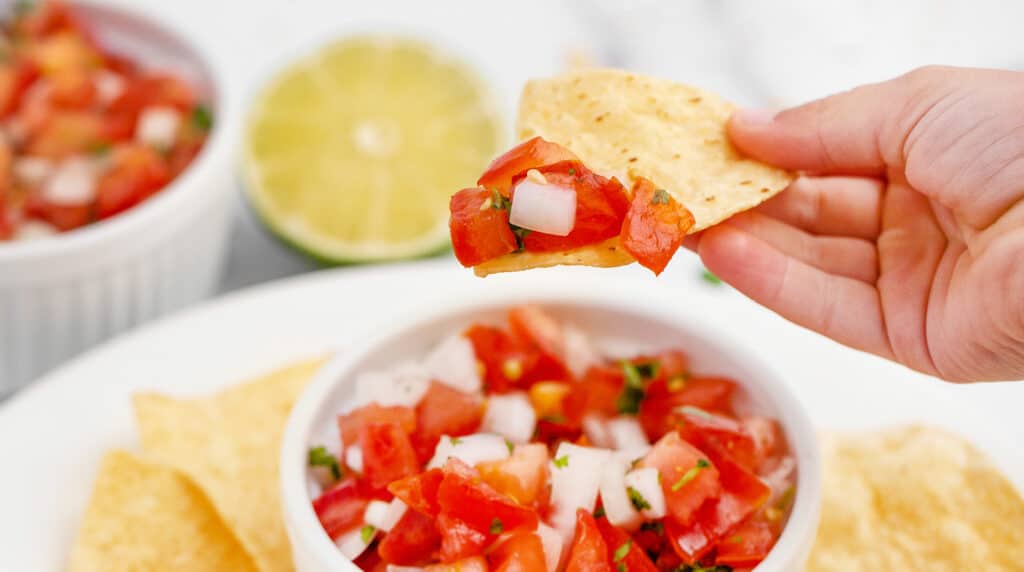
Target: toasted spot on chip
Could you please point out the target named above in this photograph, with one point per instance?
(606, 254)
(228, 444)
(146, 516)
(676, 134)
(915, 499)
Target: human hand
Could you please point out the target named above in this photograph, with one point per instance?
(906, 237)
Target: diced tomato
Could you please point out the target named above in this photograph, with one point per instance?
(530, 154)
(370, 561)
(508, 362)
(15, 79)
(45, 18)
(340, 508)
(601, 206)
(65, 133)
(521, 552)
(598, 393)
(552, 430)
(479, 228)
(6, 225)
(444, 411)
(64, 217)
(523, 476)
(474, 564)
(659, 409)
(145, 91)
(747, 545)
(709, 430)
(688, 478)
(655, 226)
(464, 496)
(540, 330)
(622, 550)
(387, 454)
(64, 52)
(768, 440)
(690, 542)
(182, 155)
(350, 423)
(136, 173)
(589, 552)
(459, 540)
(548, 397)
(73, 89)
(419, 491)
(412, 541)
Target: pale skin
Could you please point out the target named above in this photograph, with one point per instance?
(904, 237)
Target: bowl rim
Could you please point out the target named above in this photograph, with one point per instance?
(172, 198)
(300, 520)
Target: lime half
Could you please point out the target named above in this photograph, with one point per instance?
(352, 153)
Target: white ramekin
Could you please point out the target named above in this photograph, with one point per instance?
(603, 314)
(63, 294)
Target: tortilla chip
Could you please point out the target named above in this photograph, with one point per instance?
(606, 254)
(229, 445)
(147, 517)
(913, 499)
(619, 122)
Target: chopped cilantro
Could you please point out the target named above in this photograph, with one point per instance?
(100, 148)
(620, 567)
(786, 498)
(572, 171)
(556, 418)
(498, 201)
(496, 526)
(691, 474)
(455, 440)
(622, 551)
(736, 539)
(657, 527)
(661, 197)
(562, 461)
(23, 7)
(629, 400)
(366, 533)
(521, 234)
(319, 457)
(632, 375)
(202, 117)
(599, 512)
(710, 278)
(648, 370)
(510, 446)
(637, 499)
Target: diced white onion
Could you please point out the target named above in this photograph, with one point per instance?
(354, 458)
(575, 478)
(32, 170)
(580, 354)
(453, 363)
(351, 544)
(158, 126)
(552, 543)
(470, 449)
(596, 430)
(109, 86)
(72, 183)
(646, 482)
(544, 208)
(384, 515)
(617, 507)
(510, 415)
(626, 434)
(34, 230)
(403, 385)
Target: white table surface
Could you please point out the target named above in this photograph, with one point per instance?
(754, 52)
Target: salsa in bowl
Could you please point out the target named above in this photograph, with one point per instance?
(551, 436)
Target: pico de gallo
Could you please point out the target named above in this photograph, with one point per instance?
(539, 197)
(527, 448)
(85, 134)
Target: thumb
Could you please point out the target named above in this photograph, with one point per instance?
(857, 132)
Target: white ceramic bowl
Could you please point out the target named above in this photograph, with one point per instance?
(62, 294)
(607, 319)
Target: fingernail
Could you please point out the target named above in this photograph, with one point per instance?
(755, 117)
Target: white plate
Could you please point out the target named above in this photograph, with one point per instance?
(53, 435)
